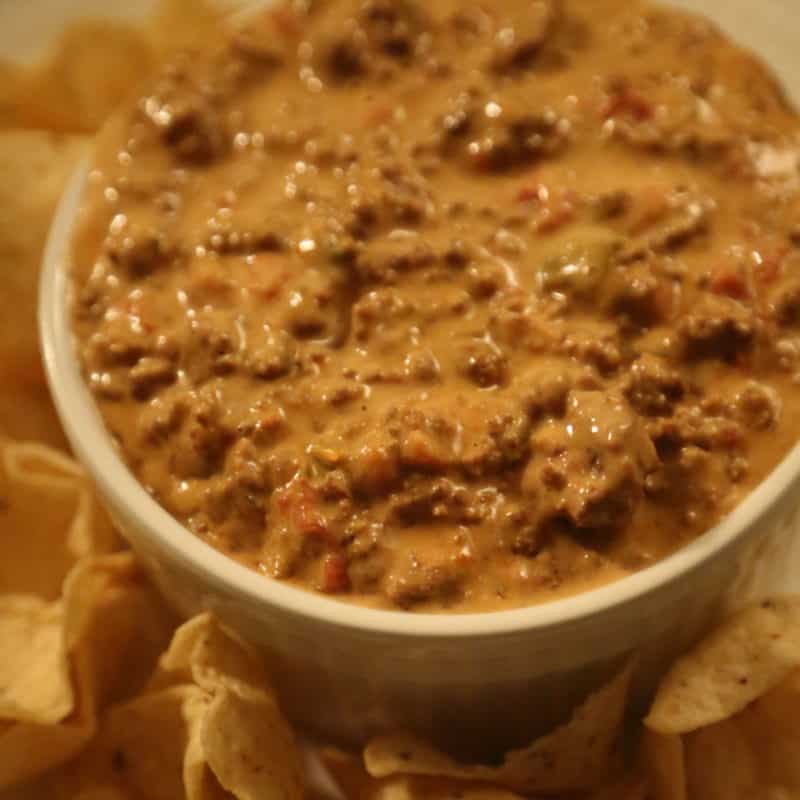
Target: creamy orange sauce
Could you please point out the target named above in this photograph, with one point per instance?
(459, 308)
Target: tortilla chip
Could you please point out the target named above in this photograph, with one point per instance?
(772, 724)
(199, 782)
(113, 626)
(214, 738)
(34, 167)
(577, 756)
(741, 734)
(355, 783)
(720, 765)
(96, 63)
(41, 467)
(752, 755)
(250, 748)
(630, 787)
(662, 758)
(36, 464)
(349, 774)
(116, 627)
(243, 740)
(36, 692)
(92, 66)
(180, 24)
(748, 655)
(34, 675)
(146, 740)
(207, 653)
(28, 750)
(418, 788)
(44, 522)
(101, 793)
(140, 747)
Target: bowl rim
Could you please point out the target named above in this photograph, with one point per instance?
(94, 447)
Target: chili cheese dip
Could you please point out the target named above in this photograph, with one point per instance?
(448, 306)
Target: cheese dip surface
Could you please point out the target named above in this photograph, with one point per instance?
(448, 306)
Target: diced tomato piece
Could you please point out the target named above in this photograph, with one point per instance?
(730, 437)
(267, 279)
(299, 502)
(534, 192)
(556, 218)
(334, 574)
(270, 423)
(729, 282)
(629, 102)
(133, 308)
(771, 266)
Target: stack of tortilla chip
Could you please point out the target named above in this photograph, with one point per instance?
(98, 682)
(725, 722)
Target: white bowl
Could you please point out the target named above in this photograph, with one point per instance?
(345, 672)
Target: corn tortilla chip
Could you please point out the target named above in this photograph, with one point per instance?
(742, 733)
(140, 747)
(34, 167)
(38, 465)
(774, 732)
(244, 740)
(96, 63)
(355, 783)
(207, 653)
(662, 757)
(45, 522)
(320, 781)
(116, 627)
(113, 626)
(577, 756)
(180, 24)
(416, 788)
(630, 787)
(42, 467)
(34, 675)
(720, 765)
(349, 774)
(250, 748)
(28, 750)
(199, 731)
(101, 793)
(772, 724)
(92, 66)
(199, 782)
(748, 655)
(751, 755)
(149, 738)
